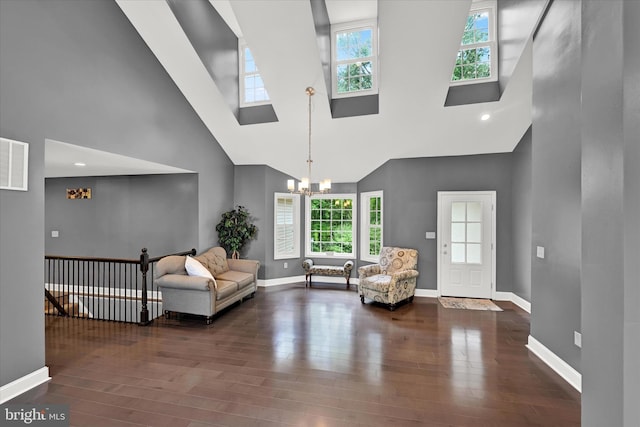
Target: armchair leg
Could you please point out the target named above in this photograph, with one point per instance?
(362, 299)
(392, 307)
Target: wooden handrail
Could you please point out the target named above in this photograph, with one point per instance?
(143, 261)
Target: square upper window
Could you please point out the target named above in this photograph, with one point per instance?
(354, 61)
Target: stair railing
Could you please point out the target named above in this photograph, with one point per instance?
(104, 288)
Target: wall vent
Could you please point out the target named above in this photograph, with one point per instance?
(14, 165)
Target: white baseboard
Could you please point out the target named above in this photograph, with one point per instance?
(297, 279)
(279, 281)
(24, 384)
(561, 367)
(426, 293)
(510, 296)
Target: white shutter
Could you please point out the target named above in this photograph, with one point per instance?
(286, 224)
(14, 162)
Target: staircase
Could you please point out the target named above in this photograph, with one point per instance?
(58, 303)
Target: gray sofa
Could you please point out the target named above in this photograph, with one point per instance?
(233, 280)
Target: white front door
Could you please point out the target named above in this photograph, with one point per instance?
(466, 244)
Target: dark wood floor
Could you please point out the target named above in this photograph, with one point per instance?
(306, 357)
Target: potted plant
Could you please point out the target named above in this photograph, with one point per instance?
(234, 230)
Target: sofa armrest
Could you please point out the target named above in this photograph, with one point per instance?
(368, 270)
(307, 264)
(244, 265)
(348, 266)
(172, 264)
(181, 281)
(403, 285)
(404, 274)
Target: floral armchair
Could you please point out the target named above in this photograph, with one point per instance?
(392, 280)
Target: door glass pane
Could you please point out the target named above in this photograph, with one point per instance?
(474, 211)
(474, 232)
(457, 232)
(458, 211)
(474, 253)
(457, 252)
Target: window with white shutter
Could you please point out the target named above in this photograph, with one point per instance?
(286, 227)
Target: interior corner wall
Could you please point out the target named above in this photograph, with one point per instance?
(521, 217)
(411, 204)
(250, 192)
(631, 102)
(556, 182)
(78, 72)
(610, 114)
(124, 215)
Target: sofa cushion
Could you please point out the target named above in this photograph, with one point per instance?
(377, 282)
(225, 289)
(242, 279)
(215, 260)
(195, 268)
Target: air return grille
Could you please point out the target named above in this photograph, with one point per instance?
(14, 162)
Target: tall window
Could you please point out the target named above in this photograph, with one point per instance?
(476, 60)
(286, 226)
(252, 90)
(331, 225)
(371, 225)
(354, 59)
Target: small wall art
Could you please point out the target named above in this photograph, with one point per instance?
(78, 193)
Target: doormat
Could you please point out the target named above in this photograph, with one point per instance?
(469, 304)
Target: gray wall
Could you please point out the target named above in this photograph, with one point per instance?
(586, 201)
(124, 215)
(78, 72)
(610, 301)
(411, 206)
(521, 217)
(631, 325)
(556, 214)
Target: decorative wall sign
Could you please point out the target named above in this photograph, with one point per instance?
(78, 193)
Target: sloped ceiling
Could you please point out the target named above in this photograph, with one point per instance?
(418, 44)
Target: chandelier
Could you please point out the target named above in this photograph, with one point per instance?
(304, 186)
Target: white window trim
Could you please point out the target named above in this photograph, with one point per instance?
(491, 7)
(354, 227)
(10, 162)
(243, 104)
(355, 25)
(295, 253)
(364, 221)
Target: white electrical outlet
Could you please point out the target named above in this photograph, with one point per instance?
(286, 265)
(540, 252)
(55, 233)
(430, 235)
(577, 338)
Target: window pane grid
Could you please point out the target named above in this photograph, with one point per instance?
(332, 225)
(254, 87)
(474, 59)
(466, 232)
(354, 60)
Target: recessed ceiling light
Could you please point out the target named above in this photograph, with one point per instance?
(79, 164)
(485, 117)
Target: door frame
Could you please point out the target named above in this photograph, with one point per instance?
(440, 226)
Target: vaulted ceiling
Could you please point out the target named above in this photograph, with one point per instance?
(417, 49)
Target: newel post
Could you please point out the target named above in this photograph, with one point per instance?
(144, 268)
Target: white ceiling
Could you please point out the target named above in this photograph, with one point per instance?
(61, 159)
(418, 44)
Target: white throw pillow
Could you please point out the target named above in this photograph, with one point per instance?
(194, 268)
